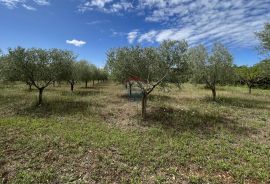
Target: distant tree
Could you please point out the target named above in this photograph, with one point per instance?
(74, 75)
(264, 37)
(35, 65)
(85, 72)
(257, 75)
(264, 67)
(118, 66)
(1, 65)
(66, 68)
(63, 66)
(149, 67)
(95, 73)
(211, 69)
(9, 72)
(249, 75)
(103, 75)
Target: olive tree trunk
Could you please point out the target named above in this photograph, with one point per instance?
(214, 93)
(249, 89)
(144, 104)
(72, 86)
(30, 87)
(40, 96)
(130, 88)
(86, 82)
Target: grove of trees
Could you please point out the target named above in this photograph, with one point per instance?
(146, 67)
(211, 69)
(40, 68)
(175, 62)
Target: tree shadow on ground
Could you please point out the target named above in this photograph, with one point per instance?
(82, 93)
(133, 97)
(240, 102)
(59, 107)
(157, 97)
(191, 120)
(96, 86)
(11, 98)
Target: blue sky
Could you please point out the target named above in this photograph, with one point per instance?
(91, 27)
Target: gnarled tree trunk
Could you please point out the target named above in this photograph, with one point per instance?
(249, 87)
(130, 88)
(144, 104)
(71, 86)
(40, 96)
(214, 93)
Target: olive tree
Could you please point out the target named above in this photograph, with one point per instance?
(66, 68)
(85, 72)
(103, 75)
(36, 66)
(118, 66)
(9, 72)
(95, 73)
(255, 74)
(211, 69)
(1, 65)
(249, 75)
(149, 66)
(264, 37)
(264, 67)
(74, 75)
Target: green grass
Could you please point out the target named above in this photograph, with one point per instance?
(96, 135)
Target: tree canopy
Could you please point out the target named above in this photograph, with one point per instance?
(211, 69)
(39, 67)
(149, 66)
(264, 37)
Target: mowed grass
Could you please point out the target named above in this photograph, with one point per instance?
(96, 135)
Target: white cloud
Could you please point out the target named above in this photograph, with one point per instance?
(11, 4)
(77, 43)
(108, 6)
(232, 22)
(99, 3)
(132, 36)
(29, 7)
(95, 22)
(149, 36)
(42, 2)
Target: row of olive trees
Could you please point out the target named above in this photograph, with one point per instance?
(40, 68)
(172, 61)
(253, 75)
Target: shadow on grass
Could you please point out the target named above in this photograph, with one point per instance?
(96, 86)
(240, 102)
(60, 108)
(134, 97)
(188, 120)
(11, 98)
(155, 97)
(82, 93)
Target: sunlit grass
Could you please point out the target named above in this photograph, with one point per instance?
(97, 135)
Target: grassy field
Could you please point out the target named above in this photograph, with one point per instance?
(96, 135)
